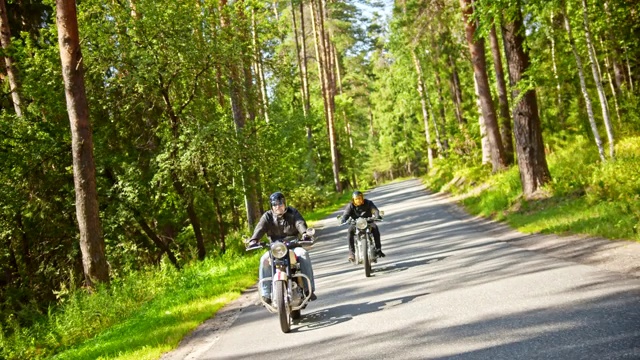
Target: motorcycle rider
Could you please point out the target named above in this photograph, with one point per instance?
(277, 223)
(361, 207)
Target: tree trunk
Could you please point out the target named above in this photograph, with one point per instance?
(164, 248)
(299, 60)
(583, 86)
(92, 245)
(305, 76)
(532, 162)
(12, 73)
(620, 77)
(257, 56)
(596, 77)
(555, 70)
(237, 108)
(485, 144)
(456, 92)
(478, 58)
(503, 100)
(425, 114)
(327, 84)
(441, 140)
(614, 92)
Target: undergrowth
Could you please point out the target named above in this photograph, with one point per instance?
(585, 195)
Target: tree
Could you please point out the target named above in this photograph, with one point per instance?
(596, 77)
(12, 74)
(583, 84)
(478, 59)
(94, 261)
(503, 101)
(532, 162)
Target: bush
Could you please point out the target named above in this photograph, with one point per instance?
(619, 180)
(306, 198)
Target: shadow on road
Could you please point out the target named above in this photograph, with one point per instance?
(341, 313)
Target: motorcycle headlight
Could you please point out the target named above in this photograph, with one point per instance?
(279, 250)
(361, 223)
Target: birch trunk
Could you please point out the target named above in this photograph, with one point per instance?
(583, 85)
(596, 76)
(12, 73)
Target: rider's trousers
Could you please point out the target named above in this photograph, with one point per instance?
(374, 230)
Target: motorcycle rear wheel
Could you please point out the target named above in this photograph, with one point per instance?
(283, 310)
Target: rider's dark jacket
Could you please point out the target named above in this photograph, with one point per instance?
(291, 223)
(367, 209)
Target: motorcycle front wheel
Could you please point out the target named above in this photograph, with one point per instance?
(365, 257)
(279, 293)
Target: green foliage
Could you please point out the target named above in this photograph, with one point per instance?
(586, 196)
(619, 181)
(572, 166)
(307, 198)
(118, 319)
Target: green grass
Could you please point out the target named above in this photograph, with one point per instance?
(585, 196)
(141, 316)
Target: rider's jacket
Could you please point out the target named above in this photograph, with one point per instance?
(367, 209)
(291, 223)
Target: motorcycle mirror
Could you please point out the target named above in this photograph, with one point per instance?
(311, 231)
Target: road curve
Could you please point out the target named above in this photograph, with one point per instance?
(449, 288)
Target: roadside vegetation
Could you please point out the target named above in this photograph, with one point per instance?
(584, 197)
(144, 313)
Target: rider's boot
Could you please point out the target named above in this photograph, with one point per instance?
(352, 256)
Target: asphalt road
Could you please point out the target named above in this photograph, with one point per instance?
(449, 288)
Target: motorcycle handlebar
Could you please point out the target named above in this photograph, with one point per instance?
(351, 221)
(290, 244)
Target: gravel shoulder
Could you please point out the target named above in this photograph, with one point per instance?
(620, 256)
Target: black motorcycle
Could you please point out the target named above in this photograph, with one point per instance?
(365, 247)
(287, 289)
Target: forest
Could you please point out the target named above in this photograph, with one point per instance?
(143, 133)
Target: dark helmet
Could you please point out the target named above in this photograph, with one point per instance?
(278, 203)
(357, 198)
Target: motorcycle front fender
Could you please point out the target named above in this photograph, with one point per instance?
(280, 276)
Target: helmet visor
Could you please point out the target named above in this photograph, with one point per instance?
(358, 200)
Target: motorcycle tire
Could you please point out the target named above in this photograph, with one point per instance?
(283, 310)
(365, 257)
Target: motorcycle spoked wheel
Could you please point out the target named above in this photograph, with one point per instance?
(365, 257)
(283, 309)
